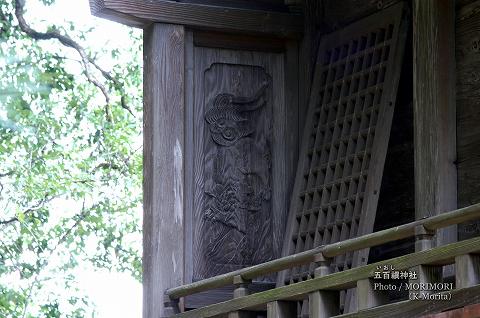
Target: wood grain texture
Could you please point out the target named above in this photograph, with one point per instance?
(438, 256)
(434, 110)
(256, 159)
(236, 228)
(468, 114)
(141, 13)
(163, 226)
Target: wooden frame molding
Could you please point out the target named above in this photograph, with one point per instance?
(140, 13)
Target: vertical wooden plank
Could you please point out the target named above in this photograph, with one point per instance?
(189, 153)
(434, 111)
(292, 109)
(467, 270)
(281, 309)
(163, 252)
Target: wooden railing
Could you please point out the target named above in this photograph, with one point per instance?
(323, 290)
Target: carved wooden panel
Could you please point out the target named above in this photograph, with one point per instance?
(345, 138)
(239, 202)
(237, 228)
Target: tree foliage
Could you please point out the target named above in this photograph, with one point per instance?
(70, 164)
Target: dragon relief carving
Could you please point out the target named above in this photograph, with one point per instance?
(226, 119)
(238, 192)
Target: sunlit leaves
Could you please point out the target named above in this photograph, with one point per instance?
(70, 180)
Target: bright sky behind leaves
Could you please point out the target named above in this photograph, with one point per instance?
(115, 294)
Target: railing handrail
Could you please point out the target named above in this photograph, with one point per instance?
(365, 241)
(335, 282)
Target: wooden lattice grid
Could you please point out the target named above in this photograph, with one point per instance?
(345, 138)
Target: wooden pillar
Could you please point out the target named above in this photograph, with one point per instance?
(241, 290)
(323, 303)
(163, 221)
(424, 240)
(434, 110)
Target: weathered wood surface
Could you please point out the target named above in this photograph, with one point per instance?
(235, 226)
(341, 280)
(163, 253)
(240, 166)
(434, 110)
(396, 233)
(415, 308)
(468, 113)
(140, 13)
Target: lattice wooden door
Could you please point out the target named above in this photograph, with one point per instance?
(346, 137)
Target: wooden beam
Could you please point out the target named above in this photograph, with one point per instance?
(140, 13)
(338, 281)
(434, 110)
(163, 254)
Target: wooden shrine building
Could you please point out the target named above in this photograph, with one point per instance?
(309, 158)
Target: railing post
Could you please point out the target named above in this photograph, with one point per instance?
(424, 240)
(322, 303)
(281, 309)
(467, 270)
(170, 306)
(367, 296)
(241, 289)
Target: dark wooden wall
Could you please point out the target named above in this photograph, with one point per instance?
(396, 202)
(468, 110)
(397, 197)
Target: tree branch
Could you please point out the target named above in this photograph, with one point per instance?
(31, 209)
(87, 61)
(6, 174)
